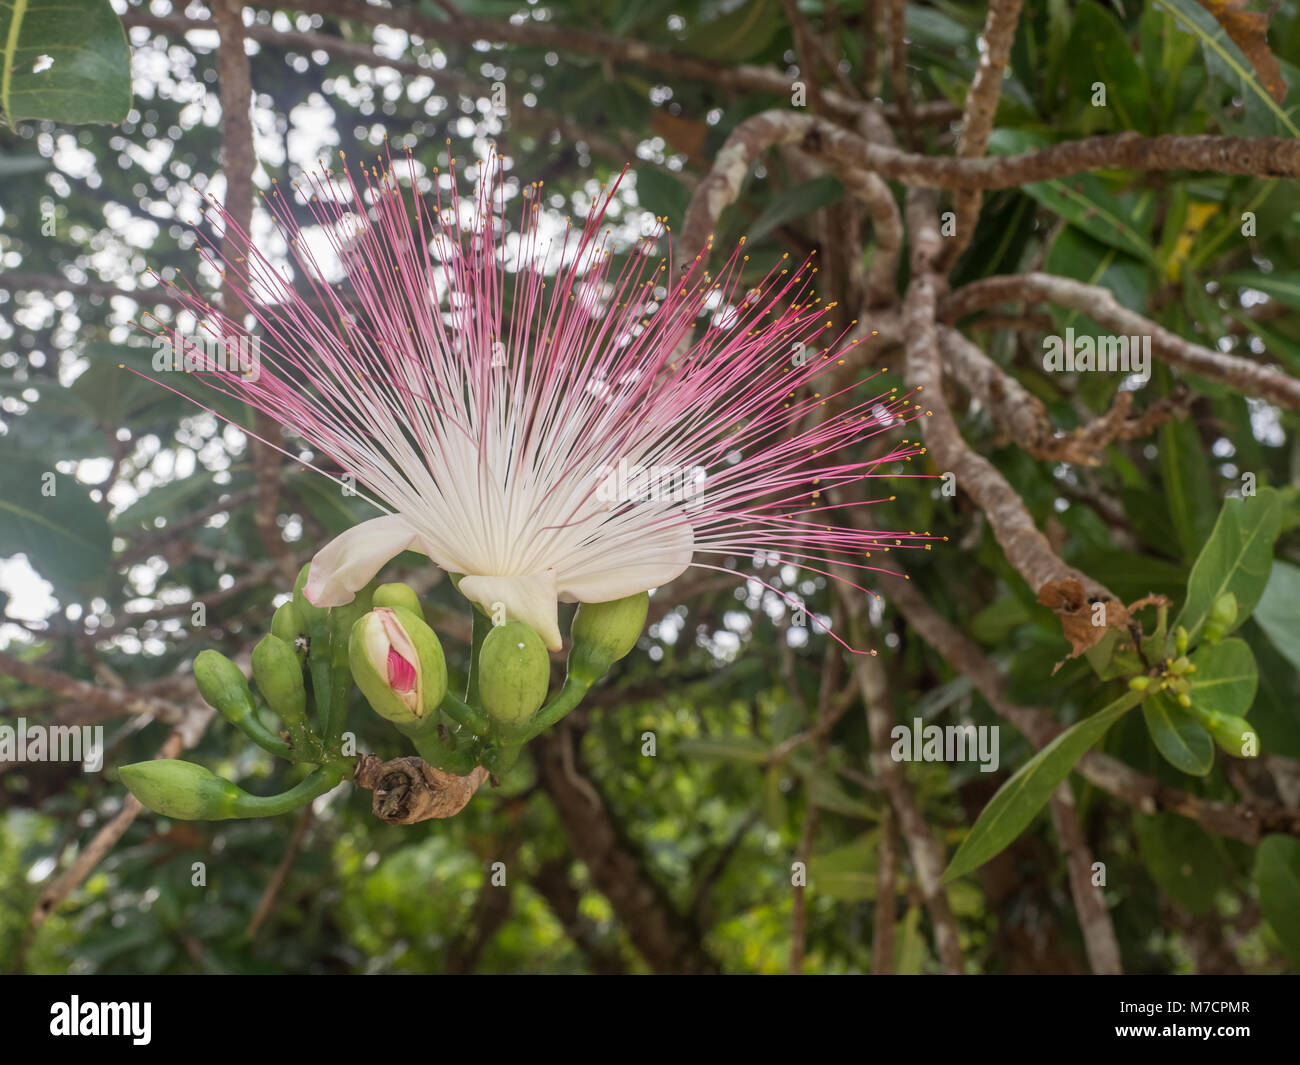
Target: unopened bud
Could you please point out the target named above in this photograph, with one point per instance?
(1234, 734)
(278, 673)
(287, 625)
(225, 688)
(397, 594)
(1140, 684)
(1180, 640)
(182, 790)
(398, 664)
(1222, 619)
(605, 632)
(514, 673)
(307, 611)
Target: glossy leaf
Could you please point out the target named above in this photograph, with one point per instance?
(1179, 737)
(63, 60)
(1277, 878)
(1226, 677)
(50, 518)
(1020, 798)
(1278, 612)
(1236, 558)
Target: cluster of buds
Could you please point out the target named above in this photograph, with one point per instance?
(398, 664)
(1172, 680)
(304, 668)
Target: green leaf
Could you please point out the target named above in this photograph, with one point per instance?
(89, 79)
(1226, 677)
(1185, 474)
(847, 873)
(1276, 713)
(795, 203)
(50, 518)
(1281, 285)
(1098, 51)
(1278, 612)
(1236, 558)
(1075, 254)
(739, 34)
(730, 748)
(661, 193)
(1183, 740)
(1085, 202)
(1021, 797)
(1227, 62)
(1182, 858)
(825, 792)
(1277, 878)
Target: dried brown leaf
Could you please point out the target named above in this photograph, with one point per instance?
(1249, 32)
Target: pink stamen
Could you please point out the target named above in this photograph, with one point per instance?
(472, 381)
(401, 673)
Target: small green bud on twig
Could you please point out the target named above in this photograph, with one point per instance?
(225, 688)
(603, 633)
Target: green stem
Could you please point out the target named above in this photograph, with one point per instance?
(251, 726)
(315, 784)
(568, 698)
(431, 747)
(318, 661)
(465, 715)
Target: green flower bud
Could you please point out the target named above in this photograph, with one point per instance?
(1184, 700)
(1222, 619)
(224, 687)
(1233, 734)
(182, 790)
(188, 792)
(397, 594)
(514, 673)
(1180, 640)
(306, 611)
(278, 673)
(1180, 665)
(398, 664)
(287, 624)
(605, 632)
(1140, 684)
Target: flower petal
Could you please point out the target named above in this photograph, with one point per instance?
(528, 597)
(659, 558)
(350, 561)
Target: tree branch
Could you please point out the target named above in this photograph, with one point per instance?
(1098, 303)
(669, 941)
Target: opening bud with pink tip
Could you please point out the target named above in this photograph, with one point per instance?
(398, 664)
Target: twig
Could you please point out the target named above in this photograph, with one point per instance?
(267, 902)
(803, 47)
(927, 856)
(882, 920)
(110, 702)
(1094, 919)
(1098, 303)
(981, 109)
(1247, 822)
